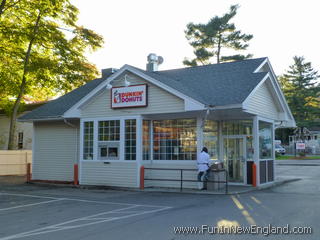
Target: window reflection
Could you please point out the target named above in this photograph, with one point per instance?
(174, 139)
(265, 140)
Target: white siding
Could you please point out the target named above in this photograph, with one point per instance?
(24, 127)
(171, 174)
(159, 101)
(263, 104)
(118, 174)
(55, 151)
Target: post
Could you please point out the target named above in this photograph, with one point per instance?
(181, 179)
(28, 172)
(254, 175)
(75, 174)
(226, 172)
(142, 177)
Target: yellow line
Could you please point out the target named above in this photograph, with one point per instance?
(237, 203)
(256, 200)
(244, 212)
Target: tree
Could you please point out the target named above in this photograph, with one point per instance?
(42, 47)
(302, 90)
(209, 39)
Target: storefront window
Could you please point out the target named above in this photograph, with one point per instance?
(130, 139)
(174, 139)
(88, 141)
(146, 139)
(210, 138)
(109, 130)
(265, 140)
(109, 140)
(240, 127)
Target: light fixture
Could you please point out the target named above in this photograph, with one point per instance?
(126, 82)
(109, 86)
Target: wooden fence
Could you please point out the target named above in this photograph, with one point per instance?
(14, 162)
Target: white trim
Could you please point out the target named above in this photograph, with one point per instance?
(261, 66)
(199, 134)
(80, 151)
(268, 120)
(40, 120)
(139, 147)
(253, 92)
(122, 140)
(277, 89)
(274, 152)
(192, 162)
(151, 140)
(220, 141)
(244, 150)
(74, 110)
(255, 133)
(95, 139)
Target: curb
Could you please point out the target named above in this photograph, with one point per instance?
(159, 190)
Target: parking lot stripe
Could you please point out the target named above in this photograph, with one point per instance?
(80, 200)
(26, 195)
(60, 227)
(29, 205)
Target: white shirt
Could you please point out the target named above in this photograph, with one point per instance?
(203, 161)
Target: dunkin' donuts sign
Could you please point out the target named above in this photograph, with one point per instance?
(132, 96)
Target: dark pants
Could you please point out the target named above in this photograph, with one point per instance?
(205, 175)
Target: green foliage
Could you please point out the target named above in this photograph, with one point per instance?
(42, 51)
(302, 90)
(209, 39)
(57, 59)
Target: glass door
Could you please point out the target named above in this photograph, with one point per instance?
(235, 158)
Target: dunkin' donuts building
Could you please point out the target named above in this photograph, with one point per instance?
(131, 117)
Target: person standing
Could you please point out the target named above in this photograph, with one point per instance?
(203, 163)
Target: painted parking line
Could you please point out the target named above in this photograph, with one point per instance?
(79, 200)
(86, 221)
(30, 205)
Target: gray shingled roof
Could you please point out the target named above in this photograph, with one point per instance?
(214, 84)
(56, 108)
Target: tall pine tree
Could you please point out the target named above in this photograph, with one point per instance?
(208, 40)
(302, 91)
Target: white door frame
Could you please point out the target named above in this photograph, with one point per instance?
(244, 170)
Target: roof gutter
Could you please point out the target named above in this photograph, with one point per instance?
(40, 119)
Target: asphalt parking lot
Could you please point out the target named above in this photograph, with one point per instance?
(48, 212)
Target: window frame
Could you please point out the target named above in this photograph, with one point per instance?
(121, 142)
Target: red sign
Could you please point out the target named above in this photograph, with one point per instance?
(300, 146)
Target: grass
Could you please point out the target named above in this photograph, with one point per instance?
(286, 157)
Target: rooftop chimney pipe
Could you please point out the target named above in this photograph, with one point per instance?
(153, 62)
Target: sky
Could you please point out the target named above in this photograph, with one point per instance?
(132, 29)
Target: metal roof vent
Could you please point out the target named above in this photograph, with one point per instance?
(153, 62)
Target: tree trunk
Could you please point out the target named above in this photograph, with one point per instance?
(3, 3)
(219, 49)
(16, 105)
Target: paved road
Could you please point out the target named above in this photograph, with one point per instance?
(33, 212)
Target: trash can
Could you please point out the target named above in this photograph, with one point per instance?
(217, 174)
